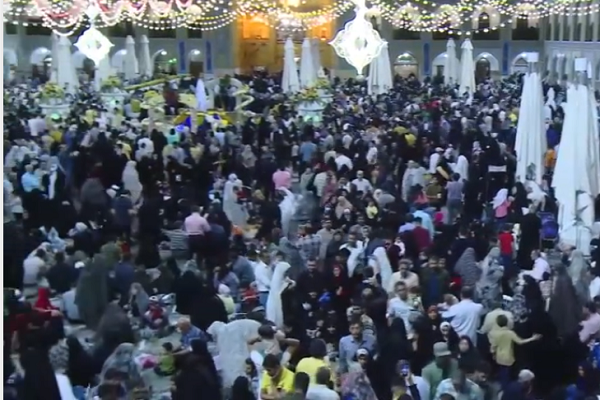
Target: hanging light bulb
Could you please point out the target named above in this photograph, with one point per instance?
(358, 43)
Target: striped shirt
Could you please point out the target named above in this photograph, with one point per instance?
(177, 239)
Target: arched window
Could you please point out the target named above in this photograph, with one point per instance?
(484, 21)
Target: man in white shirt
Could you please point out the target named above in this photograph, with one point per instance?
(410, 278)
(540, 266)
(32, 266)
(361, 184)
(400, 306)
(343, 161)
(320, 391)
(465, 315)
(262, 276)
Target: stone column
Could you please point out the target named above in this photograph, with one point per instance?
(552, 21)
(596, 24)
(562, 20)
(571, 25)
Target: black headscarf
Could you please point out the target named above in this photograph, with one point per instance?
(241, 389)
(39, 382)
(565, 309)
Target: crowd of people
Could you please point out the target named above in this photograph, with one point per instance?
(388, 253)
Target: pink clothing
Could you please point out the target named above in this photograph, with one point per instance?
(589, 328)
(195, 224)
(282, 179)
(502, 210)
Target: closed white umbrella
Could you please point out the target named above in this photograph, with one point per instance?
(316, 48)
(577, 173)
(386, 68)
(290, 82)
(66, 75)
(530, 143)
(146, 65)
(374, 80)
(451, 64)
(55, 56)
(103, 72)
(467, 69)
(130, 63)
(308, 74)
(380, 78)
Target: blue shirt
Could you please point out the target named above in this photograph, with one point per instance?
(192, 334)
(30, 181)
(425, 221)
(307, 149)
(349, 346)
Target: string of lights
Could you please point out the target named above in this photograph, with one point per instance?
(68, 16)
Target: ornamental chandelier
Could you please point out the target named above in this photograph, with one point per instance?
(358, 43)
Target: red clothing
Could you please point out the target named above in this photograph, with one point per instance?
(43, 300)
(422, 238)
(506, 243)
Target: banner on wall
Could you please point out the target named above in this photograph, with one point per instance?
(209, 59)
(426, 59)
(182, 57)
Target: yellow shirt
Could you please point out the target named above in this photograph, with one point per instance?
(502, 345)
(285, 383)
(310, 366)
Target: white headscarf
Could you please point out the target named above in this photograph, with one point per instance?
(131, 181)
(500, 198)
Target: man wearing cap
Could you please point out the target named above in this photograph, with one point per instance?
(441, 368)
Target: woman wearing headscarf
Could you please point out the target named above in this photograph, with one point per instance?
(248, 161)
(241, 389)
(580, 277)
(138, 300)
(395, 347)
(195, 382)
(200, 350)
(131, 181)
(501, 204)
(92, 290)
(185, 288)
(114, 326)
(44, 306)
(467, 268)
(356, 384)
(489, 286)
(468, 356)
(234, 211)
(80, 365)
(207, 307)
(40, 382)
(122, 361)
(565, 307)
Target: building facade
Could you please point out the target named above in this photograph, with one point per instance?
(248, 44)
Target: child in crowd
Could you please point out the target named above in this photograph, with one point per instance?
(272, 340)
(166, 365)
